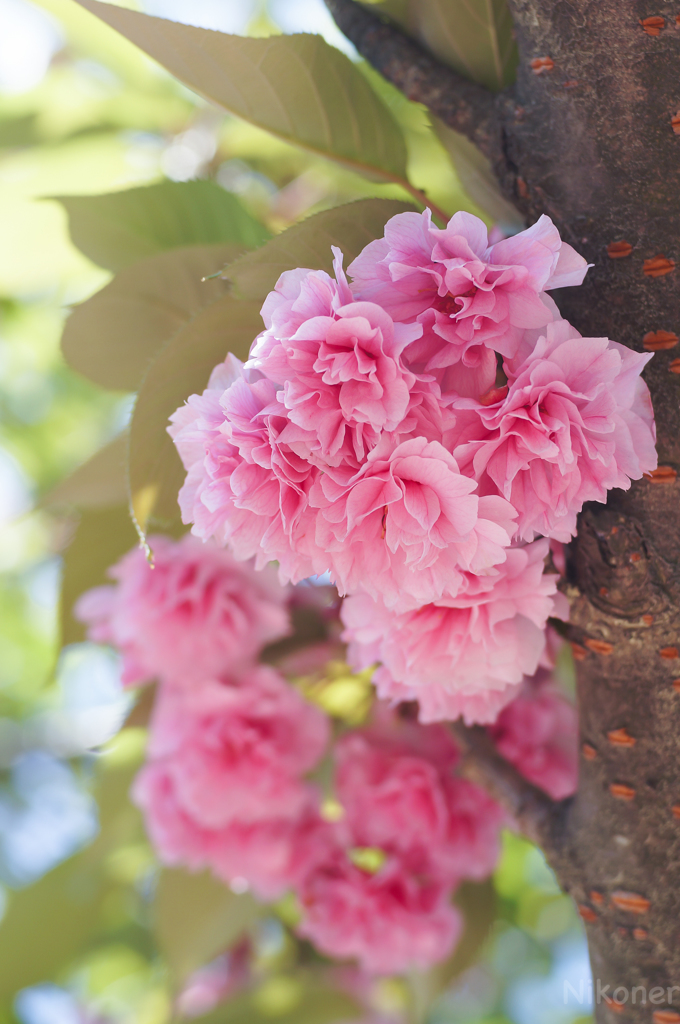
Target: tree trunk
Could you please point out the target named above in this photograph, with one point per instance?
(591, 143)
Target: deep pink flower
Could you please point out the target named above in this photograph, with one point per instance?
(246, 485)
(269, 856)
(577, 420)
(538, 733)
(464, 655)
(237, 752)
(338, 364)
(390, 921)
(400, 800)
(472, 298)
(197, 613)
(407, 525)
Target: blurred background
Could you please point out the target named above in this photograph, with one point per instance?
(83, 112)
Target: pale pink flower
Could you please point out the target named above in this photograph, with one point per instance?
(464, 655)
(238, 752)
(338, 364)
(268, 856)
(473, 298)
(206, 454)
(405, 524)
(538, 734)
(390, 921)
(195, 614)
(398, 799)
(246, 485)
(302, 294)
(408, 525)
(576, 421)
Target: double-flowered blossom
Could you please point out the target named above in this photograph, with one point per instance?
(401, 801)
(246, 486)
(390, 921)
(338, 363)
(197, 613)
(409, 525)
(538, 733)
(576, 421)
(473, 298)
(397, 787)
(465, 655)
(224, 784)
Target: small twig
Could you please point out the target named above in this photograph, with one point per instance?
(463, 105)
(539, 818)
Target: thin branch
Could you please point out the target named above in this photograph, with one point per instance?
(539, 818)
(463, 105)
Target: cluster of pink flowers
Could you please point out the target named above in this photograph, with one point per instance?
(426, 436)
(233, 746)
(395, 783)
(414, 433)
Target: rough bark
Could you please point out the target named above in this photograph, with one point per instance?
(591, 144)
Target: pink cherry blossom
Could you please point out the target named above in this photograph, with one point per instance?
(473, 298)
(538, 733)
(301, 295)
(408, 525)
(269, 856)
(237, 752)
(197, 613)
(224, 784)
(400, 800)
(338, 363)
(205, 452)
(246, 485)
(465, 655)
(390, 921)
(577, 420)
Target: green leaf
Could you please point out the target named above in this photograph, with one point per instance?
(477, 903)
(98, 483)
(119, 228)
(295, 86)
(308, 244)
(475, 37)
(48, 924)
(19, 131)
(478, 179)
(101, 537)
(182, 368)
(113, 337)
(287, 999)
(196, 918)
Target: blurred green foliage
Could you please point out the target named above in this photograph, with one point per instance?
(103, 119)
